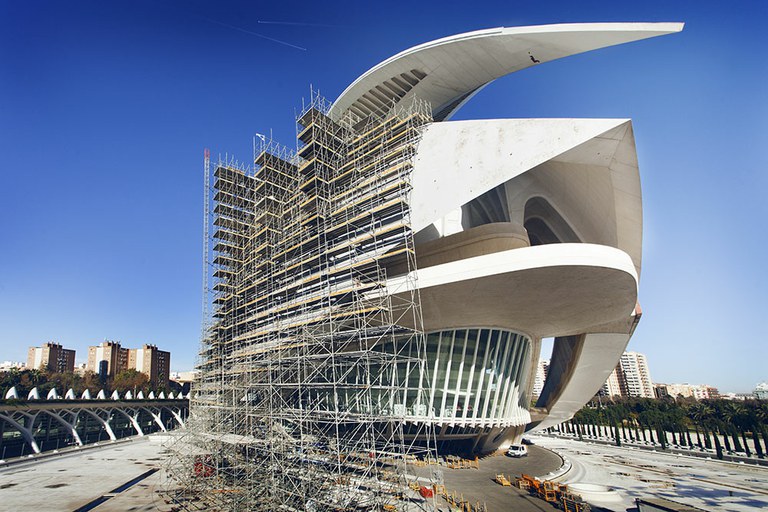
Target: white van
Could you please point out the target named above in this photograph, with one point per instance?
(517, 450)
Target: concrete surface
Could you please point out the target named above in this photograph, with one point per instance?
(703, 453)
(66, 482)
(76, 478)
(711, 485)
(479, 486)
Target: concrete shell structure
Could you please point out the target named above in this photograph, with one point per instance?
(525, 229)
(387, 285)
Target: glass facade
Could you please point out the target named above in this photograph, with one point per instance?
(473, 378)
(479, 377)
(467, 378)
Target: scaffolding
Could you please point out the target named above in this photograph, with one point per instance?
(312, 364)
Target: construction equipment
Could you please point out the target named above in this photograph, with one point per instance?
(552, 492)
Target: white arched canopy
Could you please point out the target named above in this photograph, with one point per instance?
(447, 72)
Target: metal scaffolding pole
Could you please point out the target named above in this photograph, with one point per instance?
(312, 367)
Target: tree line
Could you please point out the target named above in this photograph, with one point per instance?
(692, 424)
(126, 380)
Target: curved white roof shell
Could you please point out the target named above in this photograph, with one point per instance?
(458, 161)
(447, 72)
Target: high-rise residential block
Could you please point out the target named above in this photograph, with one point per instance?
(153, 362)
(635, 378)
(52, 357)
(612, 386)
(541, 376)
(107, 359)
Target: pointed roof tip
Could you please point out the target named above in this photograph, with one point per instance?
(645, 26)
(447, 72)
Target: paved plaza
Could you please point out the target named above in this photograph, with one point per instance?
(708, 484)
(68, 481)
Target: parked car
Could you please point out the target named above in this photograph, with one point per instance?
(517, 450)
(527, 441)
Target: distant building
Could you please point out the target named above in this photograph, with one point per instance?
(697, 391)
(761, 391)
(52, 357)
(541, 376)
(660, 390)
(12, 365)
(630, 378)
(153, 362)
(612, 386)
(107, 359)
(635, 378)
(737, 396)
(184, 377)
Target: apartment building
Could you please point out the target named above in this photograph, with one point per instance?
(51, 357)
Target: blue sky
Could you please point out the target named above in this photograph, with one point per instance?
(105, 108)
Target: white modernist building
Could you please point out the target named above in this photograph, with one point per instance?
(523, 229)
(526, 229)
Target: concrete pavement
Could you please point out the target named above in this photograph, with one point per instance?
(74, 479)
(708, 484)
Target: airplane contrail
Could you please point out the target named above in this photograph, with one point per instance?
(297, 23)
(233, 27)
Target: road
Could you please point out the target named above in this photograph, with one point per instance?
(707, 484)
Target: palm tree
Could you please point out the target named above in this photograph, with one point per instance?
(730, 413)
(754, 420)
(710, 421)
(648, 421)
(695, 415)
(633, 422)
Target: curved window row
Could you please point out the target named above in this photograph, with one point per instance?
(467, 377)
(479, 377)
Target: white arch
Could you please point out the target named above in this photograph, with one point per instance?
(64, 422)
(104, 424)
(26, 433)
(177, 415)
(33, 394)
(12, 394)
(156, 417)
(86, 395)
(132, 419)
(70, 395)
